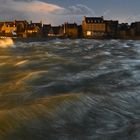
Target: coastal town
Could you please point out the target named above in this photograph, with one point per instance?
(90, 28)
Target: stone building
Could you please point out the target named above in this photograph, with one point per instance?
(55, 31)
(21, 26)
(111, 28)
(13, 28)
(94, 27)
(70, 30)
(135, 29)
(46, 30)
(32, 31)
(36, 29)
(8, 29)
(123, 31)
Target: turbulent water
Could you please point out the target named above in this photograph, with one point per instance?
(70, 90)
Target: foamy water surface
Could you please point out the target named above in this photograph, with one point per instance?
(70, 90)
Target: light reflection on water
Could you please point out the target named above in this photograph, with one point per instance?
(70, 89)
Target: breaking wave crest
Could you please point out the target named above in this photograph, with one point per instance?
(6, 42)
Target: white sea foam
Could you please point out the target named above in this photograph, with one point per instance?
(6, 42)
(125, 45)
(21, 62)
(31, 76)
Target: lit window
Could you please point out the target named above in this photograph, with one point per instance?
(88, 33)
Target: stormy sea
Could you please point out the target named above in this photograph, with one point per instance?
(70, 90)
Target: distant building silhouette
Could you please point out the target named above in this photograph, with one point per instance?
(135, 29)
(70, 30)
(46, 30)
(57, 31)
(91, 27)
(8, 28)
(111, 28)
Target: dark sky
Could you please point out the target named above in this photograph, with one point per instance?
(70, 10)
(110, 8)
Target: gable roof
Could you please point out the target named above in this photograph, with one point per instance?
(94, 19)
(71, 25)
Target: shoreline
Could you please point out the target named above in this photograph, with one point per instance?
(43, 39)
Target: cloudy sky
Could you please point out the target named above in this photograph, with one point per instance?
(59, 11)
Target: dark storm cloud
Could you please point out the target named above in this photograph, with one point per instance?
(37, 10)
(56, 12)
(25, 9)
(78, 9)
(24, 0)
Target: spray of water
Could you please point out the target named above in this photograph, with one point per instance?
(6, 42)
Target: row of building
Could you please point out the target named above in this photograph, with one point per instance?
(91, 27)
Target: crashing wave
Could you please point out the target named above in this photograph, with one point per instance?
(6, 42)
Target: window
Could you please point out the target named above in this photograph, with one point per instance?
(88, 33)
